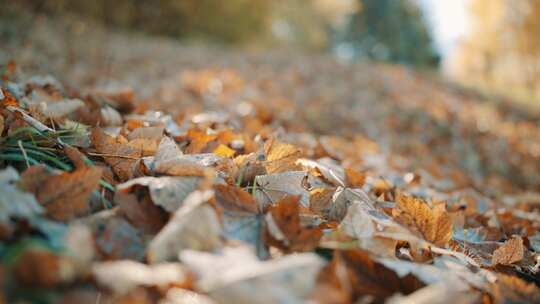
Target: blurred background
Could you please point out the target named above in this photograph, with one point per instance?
(489, 45)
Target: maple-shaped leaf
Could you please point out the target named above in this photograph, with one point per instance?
(281, 157)
(433, 224)
(512, 251)
(355, 273)
(284, 228)
(64, 195)
(120, 156)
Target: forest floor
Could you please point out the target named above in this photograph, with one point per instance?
(151, 171)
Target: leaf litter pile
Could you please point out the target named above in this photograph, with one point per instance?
(244, 196)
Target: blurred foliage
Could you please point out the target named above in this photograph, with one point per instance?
(386, 30)
(503, 49)
(230, 21)
(391, 30)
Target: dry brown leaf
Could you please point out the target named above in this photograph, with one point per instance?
(354, 179)
(1, 124)
(248, 168)
(199, 141)
(235, 199)
(169, 160)
(147, 147)
(271, 188)
(281, 157)
(356, 274)
(121, 157)
(240, 217)
(284, 229)
(509, 289)
(143, 213)
(76, 157)
(154, 133)
(168, 192)
(433, 224)
(65, 195)
(38, 267)
(320, 200)
(512, 251)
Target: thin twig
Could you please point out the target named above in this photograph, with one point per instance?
(111, 155)
(19, 142)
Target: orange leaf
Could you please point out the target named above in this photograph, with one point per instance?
(224, 151)
(235, 199)
(65, 195)
(121, 157)
(512, 251)
(433, 224)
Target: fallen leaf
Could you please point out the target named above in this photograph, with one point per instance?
(433, 224)
(124, 275)
(76, 157)
(66, 195)
(14, 202)
(271, 188)
(235, 199)
(152, 133)
(224, 151)
(281, 157)
(141, 213)
(121, 157)
(167, 192)
(240, 216)
(198, 141)
(358, 275)
(284, 229)
(509, 289)
(512, 251)
(194, 225)
(354, 179)
(116, 239)
(180, 296)
(1, 124)
(444, 292)
(62, 108)
(39, 267)
(288, 279)
(169, 160)
(327, 168)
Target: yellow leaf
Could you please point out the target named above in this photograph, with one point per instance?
(224, 151)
